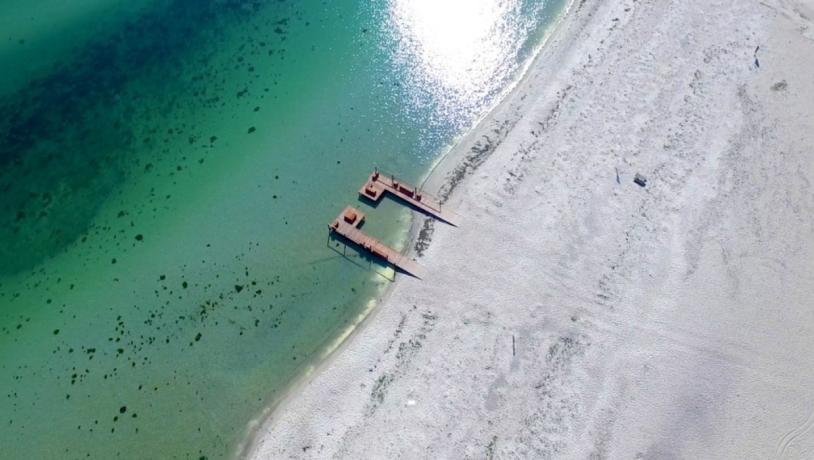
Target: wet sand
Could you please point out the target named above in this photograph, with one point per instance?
(576, 314)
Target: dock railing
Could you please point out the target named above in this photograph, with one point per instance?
(419, 189)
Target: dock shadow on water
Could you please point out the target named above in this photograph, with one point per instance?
(355, 255)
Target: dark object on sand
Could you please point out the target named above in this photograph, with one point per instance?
(640, 180)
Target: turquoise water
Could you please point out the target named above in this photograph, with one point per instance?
(167, 172)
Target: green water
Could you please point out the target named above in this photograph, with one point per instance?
(167, 172)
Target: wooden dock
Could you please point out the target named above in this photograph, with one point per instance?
(347, 225)
(378, 184)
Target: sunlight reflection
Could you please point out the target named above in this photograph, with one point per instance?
(462, 51)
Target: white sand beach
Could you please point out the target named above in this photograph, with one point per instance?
(575, 314)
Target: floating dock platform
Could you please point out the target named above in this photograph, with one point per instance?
(378, 184)
(347, 225)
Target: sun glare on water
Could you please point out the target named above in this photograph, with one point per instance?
(461, 51)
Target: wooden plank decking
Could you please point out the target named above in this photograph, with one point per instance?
(347, 225)
(378, 184)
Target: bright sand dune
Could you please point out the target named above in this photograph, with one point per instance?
(574, 316)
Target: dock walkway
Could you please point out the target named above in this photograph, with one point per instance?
(347, 225)
(378, 184)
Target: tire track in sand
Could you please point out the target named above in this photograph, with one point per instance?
(794, 435)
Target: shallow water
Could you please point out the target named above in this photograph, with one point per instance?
(167, 172)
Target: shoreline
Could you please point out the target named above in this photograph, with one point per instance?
(435, 180)
(575, 314)
(452, 158)
(439, 184)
